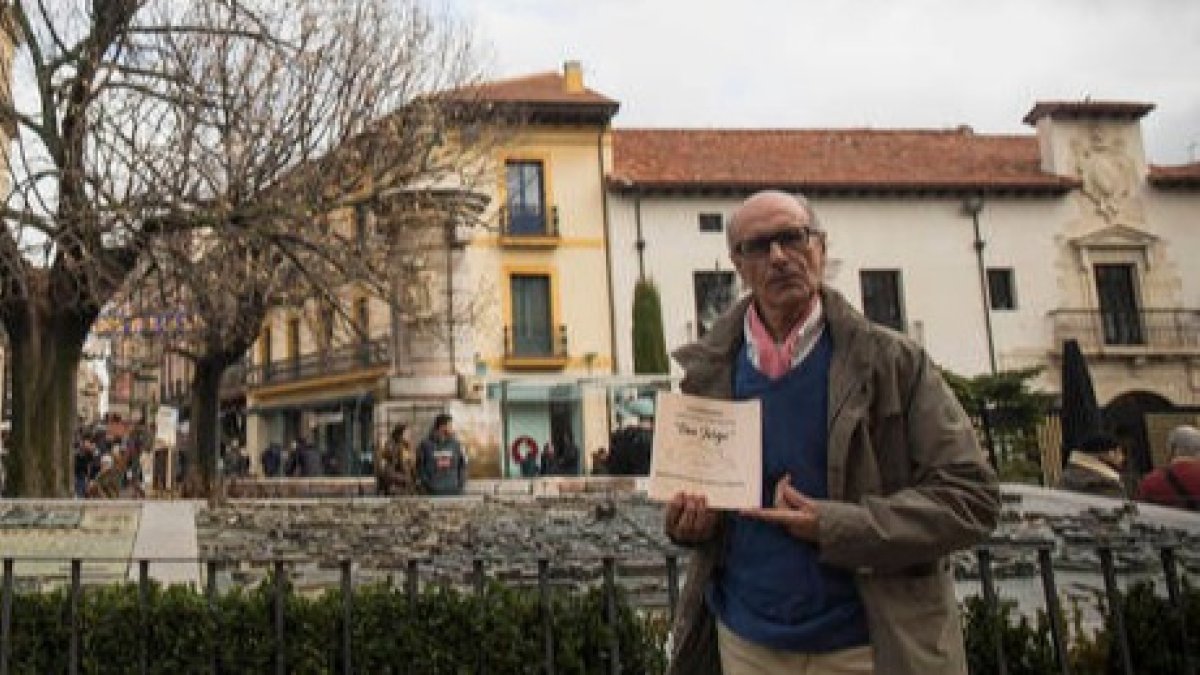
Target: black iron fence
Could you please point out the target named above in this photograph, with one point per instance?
(477, 579)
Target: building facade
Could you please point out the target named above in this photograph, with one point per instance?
(990, 250)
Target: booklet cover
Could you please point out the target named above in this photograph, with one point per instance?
(709, 447)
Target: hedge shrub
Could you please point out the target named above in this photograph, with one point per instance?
(438, 631)
(445, 631)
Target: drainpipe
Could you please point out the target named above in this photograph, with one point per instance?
(612, 312)
(971, 206)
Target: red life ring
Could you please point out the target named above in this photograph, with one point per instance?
(530, 446)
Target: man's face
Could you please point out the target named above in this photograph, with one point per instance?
(785, 275)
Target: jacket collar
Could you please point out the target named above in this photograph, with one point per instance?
(708, 362)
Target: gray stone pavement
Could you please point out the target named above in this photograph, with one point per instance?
(167, 538)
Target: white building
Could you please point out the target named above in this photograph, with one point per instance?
(988, 249)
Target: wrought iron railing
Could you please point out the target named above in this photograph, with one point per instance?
(535, 344)
(1149, 329)
(367, 354)
(608, 571)
(529, 223)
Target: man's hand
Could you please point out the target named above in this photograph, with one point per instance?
(689, 520)
(791, 510)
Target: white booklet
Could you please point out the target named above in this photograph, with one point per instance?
(707, 447)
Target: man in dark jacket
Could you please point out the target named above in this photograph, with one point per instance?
(872, 474)
(441, 462)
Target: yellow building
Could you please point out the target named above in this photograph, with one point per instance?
(505, 322)
(549, 330)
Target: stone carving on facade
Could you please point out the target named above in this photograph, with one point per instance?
(1109, 176)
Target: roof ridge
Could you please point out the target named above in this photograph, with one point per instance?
(947, 131)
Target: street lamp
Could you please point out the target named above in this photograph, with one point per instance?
(971, 206)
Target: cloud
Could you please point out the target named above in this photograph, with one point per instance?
(879, 63)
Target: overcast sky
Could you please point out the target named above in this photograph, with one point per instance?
(855, 63)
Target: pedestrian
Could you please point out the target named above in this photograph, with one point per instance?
(393, 463)
(872, 475)
(107, 483)
(272, 460)
(1178, 483)
(441, 462)
(1095, 467)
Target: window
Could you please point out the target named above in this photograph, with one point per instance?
(1001, 291)
(362, 321)
(362, 225)
(881, 297)
(327, 318)
(531, 334)
(362, 318)
(293, 339)
(265, 349)
(711, 222)
(1119, 315)
(526, 197)
(714, 294)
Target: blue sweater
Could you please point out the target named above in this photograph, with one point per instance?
(772, 590)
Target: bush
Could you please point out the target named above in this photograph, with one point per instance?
(445, 631)
(438, 631)
(1151, 624)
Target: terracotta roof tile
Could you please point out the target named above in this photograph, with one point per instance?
(828, 159)
(1184, 175)
(537, 88)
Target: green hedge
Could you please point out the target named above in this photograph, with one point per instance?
(440, 631)
(1151, 623)
(443, 631)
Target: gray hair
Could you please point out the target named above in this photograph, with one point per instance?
(813, 221)
(1184, 441)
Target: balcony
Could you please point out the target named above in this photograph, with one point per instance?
(529, 228)
(1141, 333)
(535, 351)
(348, 359)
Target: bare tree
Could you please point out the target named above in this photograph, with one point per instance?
(215, 132)
(356, 107)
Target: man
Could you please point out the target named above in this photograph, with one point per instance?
(441, 463)
(1178, 483)
(1095, 467)
(872, 474)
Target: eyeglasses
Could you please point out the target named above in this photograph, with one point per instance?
(793, 240)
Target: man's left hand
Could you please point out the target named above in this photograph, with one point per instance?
(792, 510)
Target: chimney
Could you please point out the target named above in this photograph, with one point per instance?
(573, 77)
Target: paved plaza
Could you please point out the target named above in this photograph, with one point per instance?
(508, 526)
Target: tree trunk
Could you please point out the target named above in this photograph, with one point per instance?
(46, 349)
(205, 421)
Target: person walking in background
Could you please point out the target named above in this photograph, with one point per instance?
(393, 464)
(872, 475)
(107, 483)
(1095, 467)
(441, 462)
(272, 460)
(1178, 483)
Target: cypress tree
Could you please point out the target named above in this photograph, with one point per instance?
(649, 346)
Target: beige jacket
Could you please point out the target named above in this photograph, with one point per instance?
(907, 485)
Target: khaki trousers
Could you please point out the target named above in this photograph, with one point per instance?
(742, 657)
